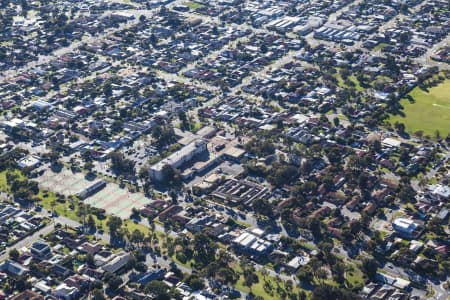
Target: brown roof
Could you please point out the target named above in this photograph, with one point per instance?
(170, 211)
(28, 295)
(91, 248)
(353, 203)
(370, 208)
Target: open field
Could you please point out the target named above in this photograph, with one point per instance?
(112, 198)
(429, 112)
(193, 5)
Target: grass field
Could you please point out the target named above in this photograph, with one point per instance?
(429, 112)
(267, 286)
(355, 277)
(380, 46)
(4, 187)
(271, 292)
(194, 5)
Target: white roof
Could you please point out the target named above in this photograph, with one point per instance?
(180, 154)
(298, 261)
(401, 283)
(404, 223)
(257, 231)
(28, 161)
(300, 118)
(441, 190)
(391, 142)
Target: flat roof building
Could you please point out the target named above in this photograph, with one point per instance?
(178, 158)
(407, 228)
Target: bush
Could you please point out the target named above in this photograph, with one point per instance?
(181, 257)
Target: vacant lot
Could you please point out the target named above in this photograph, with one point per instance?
(429, 112)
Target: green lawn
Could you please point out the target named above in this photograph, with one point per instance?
(352, 78)
(429, 112)
(355, 277)
(131, 226)
(380, 47)
(4, 187)
(355, 80)
(194, 5)
(258, 288)
(62, 209)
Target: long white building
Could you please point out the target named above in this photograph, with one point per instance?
(178, 158)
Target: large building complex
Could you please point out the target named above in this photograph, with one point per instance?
(178, 158)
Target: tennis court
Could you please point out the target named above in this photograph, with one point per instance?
(112, 198)
(117, 201)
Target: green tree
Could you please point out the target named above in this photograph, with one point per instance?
(305, 274)
(158, 289)
(204, 249)
(97, 294)
(339, 272)
(13, 254)
(137, 237)
(369, 267)
(250, 277)
(195, 282)
(163, 135)
(114, 223)
(435, 225)
(91, 222)
(336, 121)
(115, 282)
(324, 291)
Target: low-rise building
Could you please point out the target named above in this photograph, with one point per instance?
(65, 292)
(13, 268)
(40, 250)
(117, 263)
(407, 228)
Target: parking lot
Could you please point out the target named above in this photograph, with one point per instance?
(112, 198)
(140, 153)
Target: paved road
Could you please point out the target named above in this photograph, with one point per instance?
(440, 293)
(28, 240)
(431, 173)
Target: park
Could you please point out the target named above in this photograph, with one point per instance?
(429, 111)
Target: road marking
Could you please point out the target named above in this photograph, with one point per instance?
(439, 105)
